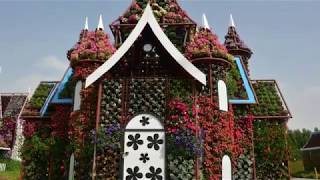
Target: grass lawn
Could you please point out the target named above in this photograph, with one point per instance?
(296, 170)
(12, 170)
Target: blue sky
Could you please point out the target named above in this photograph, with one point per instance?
(284, 35)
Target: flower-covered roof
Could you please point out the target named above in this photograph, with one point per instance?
(38, 99)
(205, 43)
(92, 45)
(271, 103)
(233, 41)
(12, 104)
(166, 11)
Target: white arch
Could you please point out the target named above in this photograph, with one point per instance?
(147, 18)
(77, 98)
(226, 168)
(223, 96)
(144, 121)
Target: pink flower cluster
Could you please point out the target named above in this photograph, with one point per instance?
(180, 118)
(29, 128)
(7, 131)
(93, 45)
(205, 44)
(171, 13)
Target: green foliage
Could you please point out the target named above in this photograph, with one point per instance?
(244, 166)
(12, 169)
(176, 35)
(296, 140)
(271, 149)
(234, 83)
(60, 157)
(110, 137)
(68, 90)
(296, 170)
(35, 153)
(182, 90)
(40, 95)
(180, 167)
(269, 101)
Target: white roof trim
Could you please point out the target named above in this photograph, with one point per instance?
(310, 149)
(149, 18)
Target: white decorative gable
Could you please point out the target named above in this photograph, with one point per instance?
(148, 18)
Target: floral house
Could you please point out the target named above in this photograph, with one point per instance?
(165, 100)
(11, 138)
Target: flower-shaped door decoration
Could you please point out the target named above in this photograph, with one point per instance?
(144, 149)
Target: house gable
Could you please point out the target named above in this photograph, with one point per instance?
(147, 18)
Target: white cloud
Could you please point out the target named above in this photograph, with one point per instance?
(31, 81)
(304, 105)
(48, 68)
(53, 63)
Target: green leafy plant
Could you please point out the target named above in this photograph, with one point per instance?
(40, 95)
(181, 168)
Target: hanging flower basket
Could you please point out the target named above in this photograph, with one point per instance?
(92, 46)
(205, 46)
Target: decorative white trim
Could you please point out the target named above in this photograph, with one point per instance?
(310, 149)
(19, 138)
(152, 122)
(147, 18)
(223, 95)
(205, 22)
(100, 24)
(77, 97)
(226, 168)
(86, 24)
(231, 23)
(5, 149)
(71, 168)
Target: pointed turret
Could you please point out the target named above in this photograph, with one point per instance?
(235, 45)
(92, 49)
(100, 24)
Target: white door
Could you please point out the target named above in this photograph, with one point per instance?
(144, 149)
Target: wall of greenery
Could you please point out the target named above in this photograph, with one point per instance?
(271, 152)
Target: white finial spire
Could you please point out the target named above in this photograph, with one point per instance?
(86, 25)
(100, 24)
(205, 22)
(231, 24)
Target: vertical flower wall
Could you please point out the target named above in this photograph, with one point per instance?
(109, 133)
(36, 150)
(271, 149)
(244, 159)
(83, 124)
